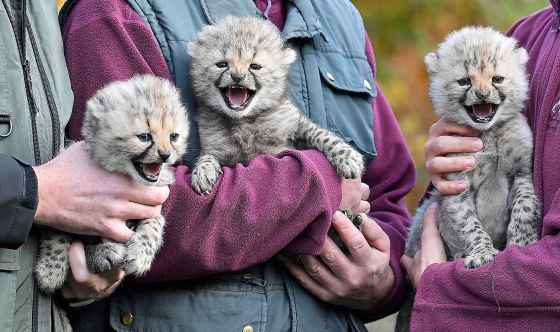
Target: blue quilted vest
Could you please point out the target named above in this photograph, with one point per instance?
(332, 83)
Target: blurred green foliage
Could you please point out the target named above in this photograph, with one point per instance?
(402, 32)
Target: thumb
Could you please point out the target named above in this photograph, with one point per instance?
(431, 239)
(117, 231)
(77, 261)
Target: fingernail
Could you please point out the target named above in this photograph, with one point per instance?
(469, 162)
(462, 185)
(478, 145)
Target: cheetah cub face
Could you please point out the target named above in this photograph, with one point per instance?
(137, 127)
(477, 78)
(241, 73)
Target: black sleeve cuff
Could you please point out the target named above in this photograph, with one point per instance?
(30, 198)
(18, 201)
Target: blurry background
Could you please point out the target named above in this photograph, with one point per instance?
(402, 32)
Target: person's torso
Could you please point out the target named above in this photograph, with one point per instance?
(35, 105)
(333, 84)
(543, 107)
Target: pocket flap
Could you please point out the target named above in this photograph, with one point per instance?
(350, 74)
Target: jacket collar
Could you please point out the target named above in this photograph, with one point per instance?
(216, 10)
(302, 20)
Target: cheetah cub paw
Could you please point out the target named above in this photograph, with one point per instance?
(205, 174)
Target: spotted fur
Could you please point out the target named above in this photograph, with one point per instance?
(249, 53)
(129, 126)
(499, 207)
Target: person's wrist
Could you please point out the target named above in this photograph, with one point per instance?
(41, 213)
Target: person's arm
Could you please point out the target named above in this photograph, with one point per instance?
(18, 201)
(391, 177)
(369, 280)
(255, 211)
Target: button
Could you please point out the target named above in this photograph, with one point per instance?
(330, 76)
(248, 328)
(127, 318)
(367, 85)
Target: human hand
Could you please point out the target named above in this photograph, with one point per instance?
(445, 138)
(359, 281)
(355, 196)
(78, 196)
(431, 252)
(84, 285)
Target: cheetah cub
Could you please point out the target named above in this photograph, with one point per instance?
(240, 80)
(478, 80)
(139, 128)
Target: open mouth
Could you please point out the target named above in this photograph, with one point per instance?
(149, 171)
(482, 113)
(237, 97)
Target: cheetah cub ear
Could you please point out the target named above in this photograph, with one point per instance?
(431, 60)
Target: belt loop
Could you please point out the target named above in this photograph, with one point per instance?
(5, 119)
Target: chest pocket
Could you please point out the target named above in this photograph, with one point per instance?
(348, 88)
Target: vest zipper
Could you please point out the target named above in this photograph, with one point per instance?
(26, 68)
(53, 109)
(32, 108)
(36, 149)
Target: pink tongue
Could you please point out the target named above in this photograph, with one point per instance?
(482, 110)
(237, 96)
(153, 168)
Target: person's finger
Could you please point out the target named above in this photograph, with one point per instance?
(116, 230)
(353, 239)
(448, 187)
(364, 188)
(152, 196)
(431, 239)
(306, 281)
(111, 289)
(113, 276)
(116, 280)
(440, 165)
(77, 262)
(131, 211)
(364, 207)
(319, 272)
(375, 235)
(443, 145)
(441, 127)
(335, 259)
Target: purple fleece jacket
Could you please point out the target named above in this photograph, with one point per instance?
(274, 203)
(520, 290)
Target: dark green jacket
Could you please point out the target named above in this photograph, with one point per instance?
(35, 104)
